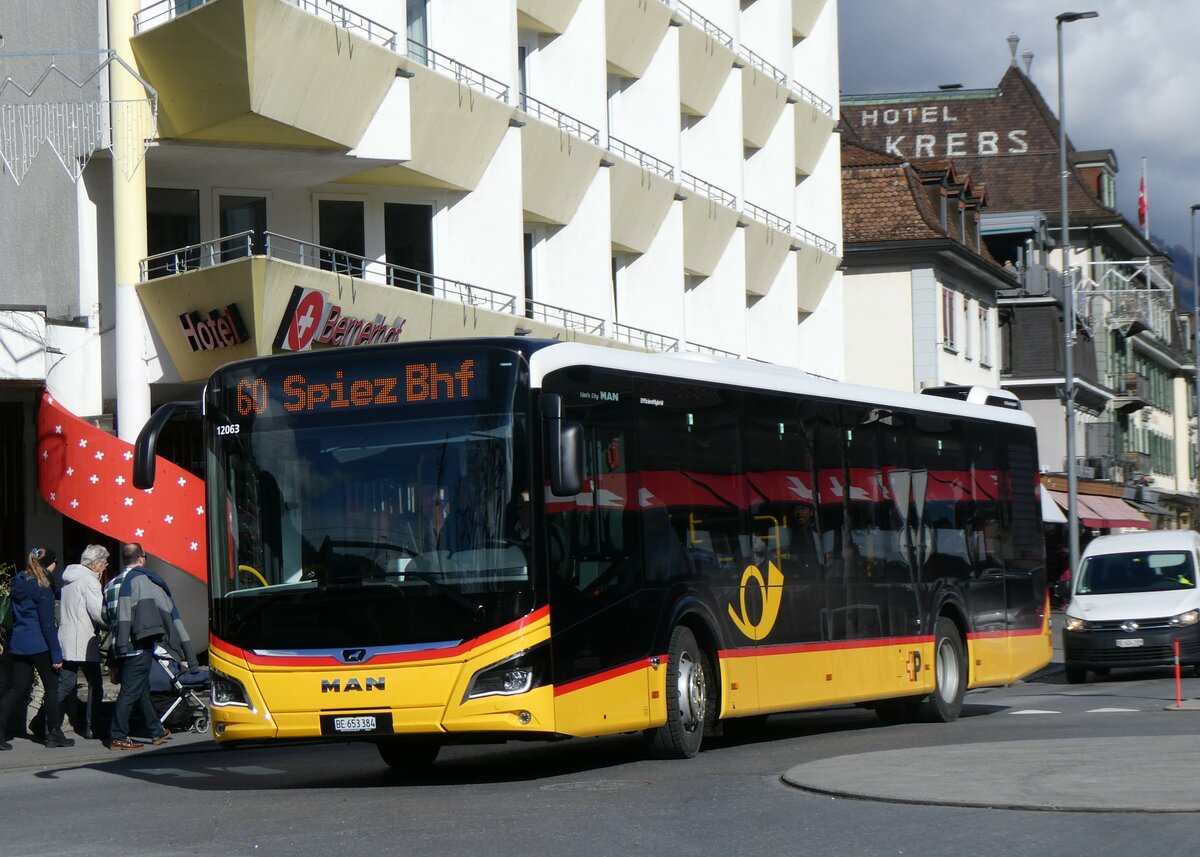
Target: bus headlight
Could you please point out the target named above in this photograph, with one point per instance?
(1191, 617)
(228, 691)
(519, 674)
(1074, 624)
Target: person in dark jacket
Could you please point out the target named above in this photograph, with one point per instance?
(141, 615)
(34, 645)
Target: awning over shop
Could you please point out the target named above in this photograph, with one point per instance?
(1051, 514)
(1104, 512)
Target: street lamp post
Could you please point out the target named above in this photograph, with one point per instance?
(1196, 341)
(1068, 305)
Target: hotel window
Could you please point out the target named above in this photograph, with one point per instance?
(172, 227)
(985, 339)
(342, 234)
(949, 340)
(966, 327)
(408, 245)
(238, 214)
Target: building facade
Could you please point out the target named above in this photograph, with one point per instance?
(259, 176)
(919, 286)
(1132, 368)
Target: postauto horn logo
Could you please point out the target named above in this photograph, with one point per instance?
(772, 597)
(312, 319)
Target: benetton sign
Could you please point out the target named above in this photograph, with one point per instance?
(312, 319)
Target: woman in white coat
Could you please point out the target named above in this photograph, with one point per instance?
(79, 634)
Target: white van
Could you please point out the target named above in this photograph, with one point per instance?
(1132, 597)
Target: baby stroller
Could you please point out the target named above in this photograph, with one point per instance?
(179, 696)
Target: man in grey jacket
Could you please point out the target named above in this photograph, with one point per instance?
(139, 607)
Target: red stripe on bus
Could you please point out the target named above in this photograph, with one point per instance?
(607, 675)
(803, 648)
(991, 635)
(392, 658)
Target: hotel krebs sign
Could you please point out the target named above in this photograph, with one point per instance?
(918, 143)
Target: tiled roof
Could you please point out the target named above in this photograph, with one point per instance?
(1005, 138)
(885, 199)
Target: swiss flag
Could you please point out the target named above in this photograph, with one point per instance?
(1143, 204)
(87, 474)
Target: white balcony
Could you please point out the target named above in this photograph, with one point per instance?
(560, 156)
(804, 16)
(546, 16)
(633, 30)
(263, 72)
(706, 56)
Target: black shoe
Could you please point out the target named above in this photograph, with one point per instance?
(4, 745)
(58, 739)
(86, 735)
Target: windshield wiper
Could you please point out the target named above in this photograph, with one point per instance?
(452, 595)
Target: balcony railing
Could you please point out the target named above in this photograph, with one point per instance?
(568, 319)
(461, 72)
(647, 339)
(697, 348)
(815, 240)
(713, 192)
(564, 121)
(763, 216)
(275, 246)
(196, 256)
(353, 22)
(642, 159)
(165, 10)
(706, 25)
(759, 62)
(806, 94)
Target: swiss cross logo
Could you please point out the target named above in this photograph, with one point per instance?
(312, 319)
(83, 471)
(305, 320)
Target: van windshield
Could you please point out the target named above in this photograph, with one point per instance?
(1147, 571)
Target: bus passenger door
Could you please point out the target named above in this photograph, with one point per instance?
(601, 627)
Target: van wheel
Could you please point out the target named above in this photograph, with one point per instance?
(691, 706)
(949, 674)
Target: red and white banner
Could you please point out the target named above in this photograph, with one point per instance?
(87, 474)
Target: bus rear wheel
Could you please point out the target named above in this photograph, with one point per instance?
(949, 674)
(691, 707)
(408, 754)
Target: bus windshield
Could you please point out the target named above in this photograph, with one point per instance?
(387, 523)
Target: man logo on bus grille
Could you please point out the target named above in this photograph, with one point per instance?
(772, 597)
(354, 656)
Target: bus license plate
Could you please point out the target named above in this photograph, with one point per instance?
(354, 724)
(378, 723)
(1131, 643)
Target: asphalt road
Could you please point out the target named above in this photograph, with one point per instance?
(1102, 768)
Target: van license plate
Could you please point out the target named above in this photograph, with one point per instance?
(1131, 643)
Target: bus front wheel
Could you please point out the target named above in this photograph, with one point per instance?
(691, 705)
(406, 754)
(949, 673)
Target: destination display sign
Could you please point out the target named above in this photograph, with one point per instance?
(347, 386)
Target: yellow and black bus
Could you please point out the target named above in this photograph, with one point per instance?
(493, 539)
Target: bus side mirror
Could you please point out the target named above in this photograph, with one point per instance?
(146, 446)
(564, 448)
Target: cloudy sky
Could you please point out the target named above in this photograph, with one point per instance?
(1132, 78)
